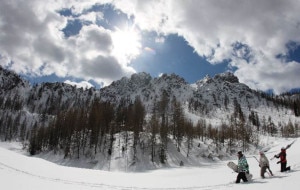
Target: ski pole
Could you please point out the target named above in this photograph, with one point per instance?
(260, 166)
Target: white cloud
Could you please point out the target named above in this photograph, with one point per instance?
(265, 74)
(212, 27)
(32, 41)
(29, 43)
(93, 38)
(82, 84)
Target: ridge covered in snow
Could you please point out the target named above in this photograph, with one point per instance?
(212, 101)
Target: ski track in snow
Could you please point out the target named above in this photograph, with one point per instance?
(9, 168)
(100, 185)
(105, 186)
(64, 181)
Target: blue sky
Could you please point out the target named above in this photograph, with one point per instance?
(96, 42)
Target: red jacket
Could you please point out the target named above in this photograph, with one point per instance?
(282, 156)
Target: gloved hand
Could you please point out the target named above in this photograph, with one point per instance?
(278, 162)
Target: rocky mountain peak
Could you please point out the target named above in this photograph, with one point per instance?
(171, 79)
(228, 77)
(10, 80)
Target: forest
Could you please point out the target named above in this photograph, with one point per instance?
(87, 130)
(81, 124)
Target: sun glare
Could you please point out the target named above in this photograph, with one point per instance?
(126, 44)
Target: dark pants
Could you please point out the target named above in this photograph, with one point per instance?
(284, 168)
(263, 171)
(241, 175)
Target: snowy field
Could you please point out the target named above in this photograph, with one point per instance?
(20, 172)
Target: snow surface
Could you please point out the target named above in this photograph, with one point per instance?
(20, 171)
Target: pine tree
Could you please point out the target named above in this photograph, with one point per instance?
(33, 144)
(23, 133)
(138, 116)
(154, 125)
(177, 122)
(296, 106)
(163, 108)
(94, 124)
(189, 131)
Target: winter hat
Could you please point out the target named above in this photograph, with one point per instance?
(240, 153)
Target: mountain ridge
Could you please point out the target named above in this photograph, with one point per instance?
(210, 91)
(140, 111)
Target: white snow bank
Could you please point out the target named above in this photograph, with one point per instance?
(19, 171)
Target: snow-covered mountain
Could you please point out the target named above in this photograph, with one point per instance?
(215, 101)
(213, 92)
(212, 98)
(11, 83)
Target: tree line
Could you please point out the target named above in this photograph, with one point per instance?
(91, 126)
(87, 131)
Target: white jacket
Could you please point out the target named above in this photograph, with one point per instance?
(263, 161)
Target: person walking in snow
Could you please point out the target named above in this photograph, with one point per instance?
(282, 161)
(264, 164)
(243, 168)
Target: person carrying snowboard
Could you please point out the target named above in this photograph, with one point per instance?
(264, 164)
(282, 161)
(243, 168)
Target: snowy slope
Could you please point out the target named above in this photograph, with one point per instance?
(203, 100)
(18, 171)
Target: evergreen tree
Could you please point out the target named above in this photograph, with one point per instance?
(94, 124)
(163, 110)
(154, 126)
(189, 131)
(22, 135)
(138, 116)
(177, 122)
(33, 144)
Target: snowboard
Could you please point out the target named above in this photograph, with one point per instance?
(249, 176)
(234, 167)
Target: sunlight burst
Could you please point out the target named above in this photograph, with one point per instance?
(126, 44)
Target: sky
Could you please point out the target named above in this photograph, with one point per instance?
(20, 171)
(92, 43)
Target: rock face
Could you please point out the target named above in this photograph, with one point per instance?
(207, 98)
